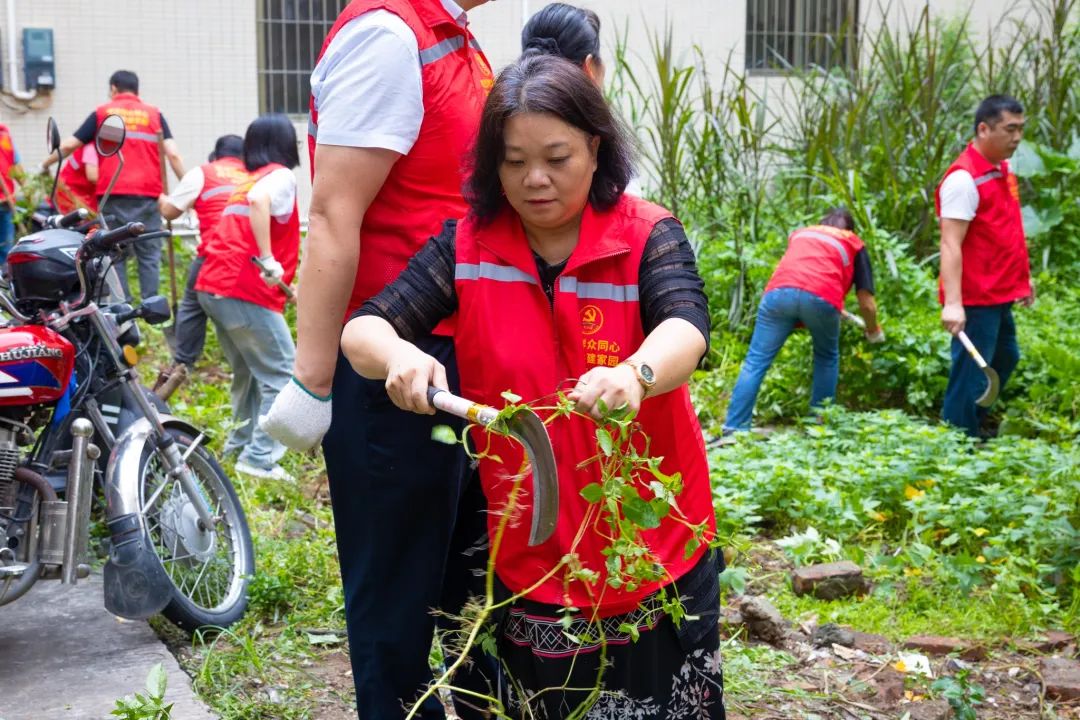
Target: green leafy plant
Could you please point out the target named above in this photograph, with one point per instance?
(963, 695)
(150, 706)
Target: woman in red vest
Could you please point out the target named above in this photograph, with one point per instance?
(556, 275)
(259, 220)
(821, 264)
(206, 190)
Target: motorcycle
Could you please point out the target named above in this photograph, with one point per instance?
(73, 416)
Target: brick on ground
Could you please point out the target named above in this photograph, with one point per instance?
(1061, 678)
(937, 645)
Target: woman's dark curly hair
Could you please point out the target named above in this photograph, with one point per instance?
(552, 85)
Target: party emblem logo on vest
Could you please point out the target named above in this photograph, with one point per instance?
(1014, 188)
(592, 319)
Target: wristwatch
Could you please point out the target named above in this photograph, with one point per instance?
(645, 375)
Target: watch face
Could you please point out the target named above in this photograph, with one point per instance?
(647, 374)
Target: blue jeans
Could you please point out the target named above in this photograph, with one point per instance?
(7, 232)
(993, 332)
(259, 347)
(778, 313)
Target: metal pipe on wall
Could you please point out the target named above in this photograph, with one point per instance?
(13, 59)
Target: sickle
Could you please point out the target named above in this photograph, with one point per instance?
(527, 428)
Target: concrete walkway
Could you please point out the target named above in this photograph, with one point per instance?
(64, 657)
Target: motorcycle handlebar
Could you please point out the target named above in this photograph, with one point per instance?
(72, 218)
(105, 240)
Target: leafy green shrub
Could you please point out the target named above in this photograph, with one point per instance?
(927, 497)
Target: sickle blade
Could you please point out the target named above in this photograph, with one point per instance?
(530, 431)
(993, 387)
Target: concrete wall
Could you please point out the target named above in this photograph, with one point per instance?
(197, 59)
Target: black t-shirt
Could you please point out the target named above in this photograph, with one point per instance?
(864, 272)
(85, 133)
(423, 294)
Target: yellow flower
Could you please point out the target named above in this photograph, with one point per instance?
(900, 666)
(979, 532)
(980, 559)
(911, 492)
(875, 515)
(912, 571)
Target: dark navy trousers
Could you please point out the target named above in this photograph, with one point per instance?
(993, 332)
(408, 515)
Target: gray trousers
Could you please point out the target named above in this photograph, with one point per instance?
(137, 208)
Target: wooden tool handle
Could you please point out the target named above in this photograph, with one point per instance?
(448, 402)
(970, 347)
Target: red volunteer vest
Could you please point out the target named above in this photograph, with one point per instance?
(142, 158)
(995, 255)
(424, 187)
(504, 341)
(220, 180)
(75, 189)
(7, 160)
(228, 270)
(820, 260)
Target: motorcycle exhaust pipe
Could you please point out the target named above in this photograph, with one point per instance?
(80, 490)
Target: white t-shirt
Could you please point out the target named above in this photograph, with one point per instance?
(187, 192)
(280, 185)
(368, 88)
(959, 196)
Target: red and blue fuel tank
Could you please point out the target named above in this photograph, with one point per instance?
(35, 365)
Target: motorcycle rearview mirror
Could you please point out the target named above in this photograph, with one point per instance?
(110, 135)
(52, 136)
(155, 310)
(107, 141)
(52, 142)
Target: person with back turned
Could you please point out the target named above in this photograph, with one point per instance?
(134, 198)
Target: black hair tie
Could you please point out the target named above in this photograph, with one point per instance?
(544, 45)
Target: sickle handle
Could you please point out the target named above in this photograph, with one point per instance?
(970, 347)
(448, 402)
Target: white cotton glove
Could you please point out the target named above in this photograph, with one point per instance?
(272, 272)
(298, 419)
(875, 337)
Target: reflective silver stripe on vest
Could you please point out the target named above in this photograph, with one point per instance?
(992, 175)
(598, 291)
(145, 137)
(830, 240)
(312, 128)
(441, 49)
(219, 190)
(74, 163)
(491, 271)
(244, 210)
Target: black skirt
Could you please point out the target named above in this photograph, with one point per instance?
(555, 672)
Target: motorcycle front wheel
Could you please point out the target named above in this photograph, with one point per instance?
(209, 569)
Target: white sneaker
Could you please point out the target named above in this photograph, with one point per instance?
(274, 473)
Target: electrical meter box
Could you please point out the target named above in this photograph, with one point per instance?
(38, 58)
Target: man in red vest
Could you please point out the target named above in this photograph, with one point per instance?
(821, 264)
(984, 257)
(135, 195)
(206, 190)
(396, 102)
(10, 169)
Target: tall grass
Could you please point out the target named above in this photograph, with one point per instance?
(743, 161)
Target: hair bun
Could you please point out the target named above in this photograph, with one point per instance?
(543, 46)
